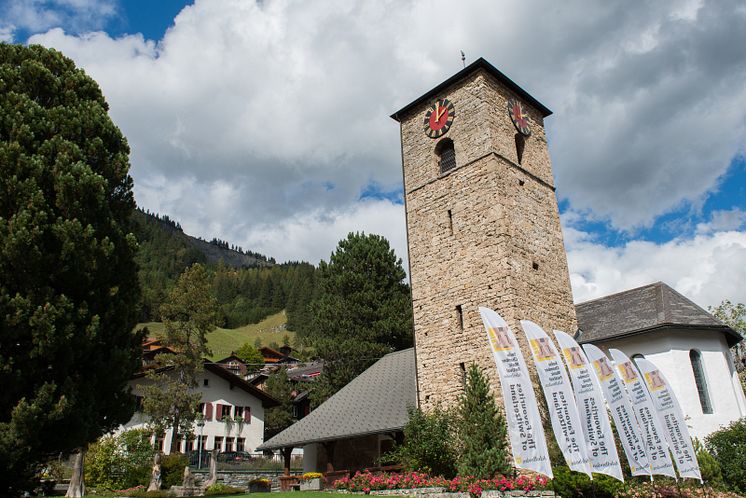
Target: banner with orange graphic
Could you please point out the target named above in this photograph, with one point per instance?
(655, 439)
(527, 441)
(592, 408)
(563, 412)
(672, 417)
(622, 411)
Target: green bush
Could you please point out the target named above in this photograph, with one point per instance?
(728, 446)
(119, 462)
(569, 484)
(708, 466)
(427, 444)
(151, 494)
(172, 469)
(220, 489)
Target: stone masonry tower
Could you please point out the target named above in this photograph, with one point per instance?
(482, 222)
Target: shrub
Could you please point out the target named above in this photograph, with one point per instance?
(220, 489)
(569, 484)
(427, 444)
(728, 446)
(708, 466)
(123, 461)
(482, 431)
(172, 469)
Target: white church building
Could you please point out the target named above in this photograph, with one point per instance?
(689, 345)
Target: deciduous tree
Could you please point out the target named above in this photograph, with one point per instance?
(68, 281)
(188, 315)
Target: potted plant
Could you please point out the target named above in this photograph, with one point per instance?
(260, 485)
(311, 481)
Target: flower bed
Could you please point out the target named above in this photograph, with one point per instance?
(366, 482)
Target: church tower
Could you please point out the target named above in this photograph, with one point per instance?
(483, 224)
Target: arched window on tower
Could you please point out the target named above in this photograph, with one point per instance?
(446, 155)
(699, 378)
(520, 144)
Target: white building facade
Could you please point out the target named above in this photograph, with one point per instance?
(690, 347)
(232, 414)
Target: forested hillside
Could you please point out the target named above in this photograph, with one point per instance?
(249, 286)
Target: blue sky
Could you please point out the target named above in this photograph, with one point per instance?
(266, 123)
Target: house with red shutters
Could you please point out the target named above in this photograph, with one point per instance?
(232, 413)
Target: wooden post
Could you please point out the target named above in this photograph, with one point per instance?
(329, 448)
(286, 452)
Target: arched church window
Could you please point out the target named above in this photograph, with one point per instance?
(699, 378)
(446, 155)
(520, 145)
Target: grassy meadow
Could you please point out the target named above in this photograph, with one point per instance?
(222, 341)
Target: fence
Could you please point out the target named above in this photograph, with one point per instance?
(242, 460)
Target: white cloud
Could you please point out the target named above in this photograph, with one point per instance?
(706, 268)
(76, 15)
(281, 100)
(731, 219)
(6, 33)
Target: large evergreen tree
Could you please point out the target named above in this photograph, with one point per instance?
(363, 310)
(68, 281)
(483, 451)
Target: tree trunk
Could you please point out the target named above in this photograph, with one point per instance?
(155, 474)
(174, 434)
(77, 486)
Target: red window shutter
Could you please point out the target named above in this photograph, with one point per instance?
(208, 411)
(247, 414)
(218, 411)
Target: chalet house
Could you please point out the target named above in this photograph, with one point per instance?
(232, 411)
(275, 356)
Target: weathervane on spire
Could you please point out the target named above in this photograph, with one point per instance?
(463, 58)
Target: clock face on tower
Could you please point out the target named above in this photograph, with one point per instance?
(519, 117)
(438, 118)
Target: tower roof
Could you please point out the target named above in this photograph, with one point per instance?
(645, 309)
(475, 66)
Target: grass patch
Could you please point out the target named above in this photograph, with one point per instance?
(222, 341)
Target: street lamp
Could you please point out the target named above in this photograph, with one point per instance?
(201, 425)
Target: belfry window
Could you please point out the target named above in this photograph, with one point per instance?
(699, 378)
(446, 155)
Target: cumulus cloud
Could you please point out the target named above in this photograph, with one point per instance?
(706, 268)
(730, 219)
(262, 122)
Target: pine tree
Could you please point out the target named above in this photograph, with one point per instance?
(280, 417)
(363, 310)
(483, 451)
(68, 279)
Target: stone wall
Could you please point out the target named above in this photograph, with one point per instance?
(486, 233)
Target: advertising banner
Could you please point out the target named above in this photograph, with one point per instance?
(592, 408)
(563, 412)
(527, 442)
(670, 414)
(656, 445)
(621, 411)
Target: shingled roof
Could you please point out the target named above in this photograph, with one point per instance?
(375, 402)
(642, 310)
